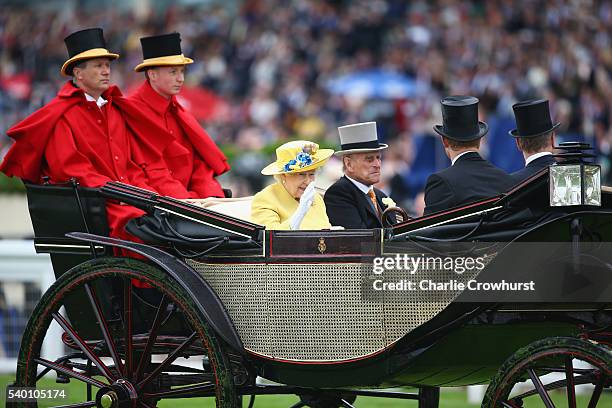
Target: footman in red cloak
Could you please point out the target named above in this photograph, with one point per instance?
(88, 132)
(193, 158)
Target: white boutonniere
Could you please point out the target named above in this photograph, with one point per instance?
(388, 202)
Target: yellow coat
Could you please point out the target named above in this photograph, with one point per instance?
(273, 207)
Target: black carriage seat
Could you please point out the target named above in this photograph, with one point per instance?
(181, 227)
(56, 210)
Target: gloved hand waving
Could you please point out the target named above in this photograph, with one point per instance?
(306, 201)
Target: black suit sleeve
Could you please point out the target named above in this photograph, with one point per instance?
(342, 209)
(438, 195)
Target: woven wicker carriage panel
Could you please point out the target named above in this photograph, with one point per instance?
(315, 312)
(422, 305)
(242, 289)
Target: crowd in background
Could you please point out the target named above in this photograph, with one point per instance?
(270, 65)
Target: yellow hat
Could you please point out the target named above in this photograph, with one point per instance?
(162, 50)
(83, 45)
(296, 157)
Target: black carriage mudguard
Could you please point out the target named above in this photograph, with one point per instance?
(206, 300)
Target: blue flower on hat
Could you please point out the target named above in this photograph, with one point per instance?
(302, 159)
(290, 165)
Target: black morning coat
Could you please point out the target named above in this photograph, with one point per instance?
(349, 207)
(470, 179)
(532, 168)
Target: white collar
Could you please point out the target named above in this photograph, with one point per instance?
(536, 156)
(461, 154)
(100, 102)
(362, 187)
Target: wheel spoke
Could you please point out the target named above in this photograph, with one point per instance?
(110, 344)
(569, 376)
(83, 346)
(58, 361)
(597, 392)
(185, 392)
(581, 379)
(127, 316)
(540, 387)
(146, 354)
(173, 356)
(69, 372)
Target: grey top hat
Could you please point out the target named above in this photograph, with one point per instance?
(359, 138)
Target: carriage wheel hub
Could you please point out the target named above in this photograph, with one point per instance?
(121, 394)
(107, 400)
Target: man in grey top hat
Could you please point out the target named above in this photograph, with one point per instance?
(534, 135)
(352, 201)
(470, 177)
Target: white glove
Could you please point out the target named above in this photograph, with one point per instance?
(306, 201)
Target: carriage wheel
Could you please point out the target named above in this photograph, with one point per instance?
(547, 365)
(127, 346)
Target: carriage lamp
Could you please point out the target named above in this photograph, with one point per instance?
(573, 181)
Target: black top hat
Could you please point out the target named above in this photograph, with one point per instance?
(160, 50)
(460, 119)
(532, 118)
(83, 45)
(84, 40)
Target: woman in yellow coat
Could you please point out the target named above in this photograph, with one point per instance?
(292, 202)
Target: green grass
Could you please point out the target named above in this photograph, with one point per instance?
(450, 398)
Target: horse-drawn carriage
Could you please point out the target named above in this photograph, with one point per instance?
(214, 306)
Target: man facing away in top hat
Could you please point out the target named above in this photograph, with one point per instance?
(192, 157)
(87, 132)
(470, 177)
(352, 201)
(534, 136)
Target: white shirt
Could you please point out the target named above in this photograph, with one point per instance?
(536, 156)
(100, 102)
(362, 187)
(461, 154)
